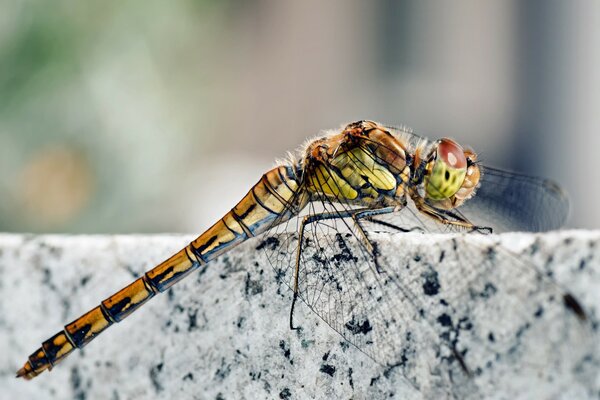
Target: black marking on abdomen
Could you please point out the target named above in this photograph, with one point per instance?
(79, 336)
(51, 350)
(38, 360)
(115, 312)
(260, 203)
(199, 250)
(248, 211)
(244, 227)
(157, 281)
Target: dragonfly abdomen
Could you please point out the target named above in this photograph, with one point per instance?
(113, 309)
(273, 199)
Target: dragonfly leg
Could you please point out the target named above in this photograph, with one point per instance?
(447, 217)
(307, 220)
(395, 227)
(368, 215)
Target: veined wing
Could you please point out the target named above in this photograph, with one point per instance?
(461, 308)
(508, 201)
(459, 312)
(339, 281)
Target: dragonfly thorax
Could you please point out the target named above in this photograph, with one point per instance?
(364, 165)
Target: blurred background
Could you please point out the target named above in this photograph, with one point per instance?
(152, 116)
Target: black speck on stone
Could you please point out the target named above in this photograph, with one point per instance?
(223, 371)
(192, 319)
(356, 327)
(252, 287)
(285, 394)
(279, 275)
(240, 322)
(533, 249)
(326, 356)
(78, 390)
(286, 350)
(188, 377)
(270, 243)
(445, 320)
(539, 312)
(431, 286)
(491, 337)
(490, 253)
(132, 272)
(327, 369)
(351, 381)
(85, 280)
(255, 375)
(220, 396)
(522, 329)
(488, 290)
(374, 380)
(154, 373)
(47, 279)
(465, 324)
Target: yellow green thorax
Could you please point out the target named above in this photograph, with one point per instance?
(357, 164)
(352, 172)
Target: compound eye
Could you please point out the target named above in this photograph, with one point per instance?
(448, 171)
(452, 154)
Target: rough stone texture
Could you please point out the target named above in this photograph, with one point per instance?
(223, 332)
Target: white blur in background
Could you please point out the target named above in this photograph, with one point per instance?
(150, 116)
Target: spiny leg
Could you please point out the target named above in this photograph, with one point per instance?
(447, 217)
(368, 215)
(394, 227)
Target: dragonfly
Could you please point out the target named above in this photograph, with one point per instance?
(315, 207)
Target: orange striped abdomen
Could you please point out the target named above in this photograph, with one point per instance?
(274, 199)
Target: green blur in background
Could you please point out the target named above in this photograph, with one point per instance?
(148, 116)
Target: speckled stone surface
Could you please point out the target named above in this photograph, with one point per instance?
(223, 332)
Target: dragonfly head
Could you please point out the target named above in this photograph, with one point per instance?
(451, 174)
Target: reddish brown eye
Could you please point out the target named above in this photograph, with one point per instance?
(452, 154)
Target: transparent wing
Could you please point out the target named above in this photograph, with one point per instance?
(465, 310)
(339, 280)
(460, 308)
(494, 314)
(508, 201)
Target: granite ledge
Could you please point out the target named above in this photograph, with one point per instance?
(223, 332)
